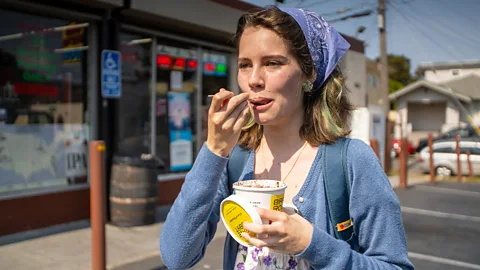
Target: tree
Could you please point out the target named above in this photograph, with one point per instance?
(399, 69)
(394, 86)
(398, 72)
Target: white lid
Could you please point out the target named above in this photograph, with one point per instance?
(234, 211)
(271, 185)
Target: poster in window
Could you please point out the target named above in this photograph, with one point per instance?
(178, 111)
(181, 150)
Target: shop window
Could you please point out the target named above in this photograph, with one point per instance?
(176, 136)
(43, 94)
(134, 117)
(215, 76)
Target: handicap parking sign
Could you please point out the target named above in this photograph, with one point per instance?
(111, 74)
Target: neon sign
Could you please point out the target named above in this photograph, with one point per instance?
(176, 63)
(215, 69)
(164, 61)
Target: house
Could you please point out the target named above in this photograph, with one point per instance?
(445, 98)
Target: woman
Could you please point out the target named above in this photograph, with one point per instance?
(293, 103)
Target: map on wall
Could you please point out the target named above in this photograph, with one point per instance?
(33, 156)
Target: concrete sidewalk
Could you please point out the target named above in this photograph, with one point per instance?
(411, 180)
(68, 246)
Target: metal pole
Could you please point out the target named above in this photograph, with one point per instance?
(98, 204)
(459, 165)
(470, 168)
(375, 147)
(153, 97)
(403, 162)
(198, 100)
(432, 167)
(384, 80)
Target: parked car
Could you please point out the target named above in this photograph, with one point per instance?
(396, 148)
(445, 157)
(467, 132)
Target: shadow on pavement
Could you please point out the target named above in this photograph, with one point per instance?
(33, 234)
(161, 216)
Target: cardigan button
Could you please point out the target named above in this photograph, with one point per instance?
(301, 199)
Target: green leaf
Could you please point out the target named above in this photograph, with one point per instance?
(244, 257)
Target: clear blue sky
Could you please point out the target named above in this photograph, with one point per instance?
(422, 30)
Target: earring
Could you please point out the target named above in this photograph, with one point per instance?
(307, 86)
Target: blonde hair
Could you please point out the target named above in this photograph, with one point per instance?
(327, 110)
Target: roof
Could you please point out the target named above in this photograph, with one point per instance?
(449, 65)
(468, 85)
(422, 83)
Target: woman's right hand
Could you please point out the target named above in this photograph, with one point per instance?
(226, 117)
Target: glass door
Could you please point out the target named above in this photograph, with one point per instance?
(176, 99)
(134, 107)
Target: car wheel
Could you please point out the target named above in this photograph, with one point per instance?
(443, 171)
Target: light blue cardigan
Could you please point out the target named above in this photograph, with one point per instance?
(374, 208)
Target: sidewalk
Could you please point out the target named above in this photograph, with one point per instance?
(68, 246)
(411, 180)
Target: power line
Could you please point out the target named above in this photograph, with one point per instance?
(458, 14)
(422, 49)
(444, 27)
(420, 30)
(354, 15)
(364, 5)
(439, 27)
(371, 29)
(317, 3)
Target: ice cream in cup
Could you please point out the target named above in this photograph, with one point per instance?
(249, 194)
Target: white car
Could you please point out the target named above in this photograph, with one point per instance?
(445, 157)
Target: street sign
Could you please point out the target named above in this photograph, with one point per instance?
(111, 74)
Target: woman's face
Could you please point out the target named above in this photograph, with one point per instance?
(271, 75)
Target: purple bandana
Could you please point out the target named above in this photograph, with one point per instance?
(325, 44)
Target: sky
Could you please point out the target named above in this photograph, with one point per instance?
(422, 30)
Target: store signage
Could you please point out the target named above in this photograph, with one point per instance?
(177, 52)
(179, 63)
(215, 69)
(72, 38)
(164, 61)
(35, 89)
(111, 74)
(38, 65)
(192, 65)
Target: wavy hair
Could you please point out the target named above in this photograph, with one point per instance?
(327, 110)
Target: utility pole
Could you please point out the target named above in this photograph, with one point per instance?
(384, 81)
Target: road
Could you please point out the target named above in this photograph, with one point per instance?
(442, 223)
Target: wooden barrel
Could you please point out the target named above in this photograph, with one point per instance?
(133, 191)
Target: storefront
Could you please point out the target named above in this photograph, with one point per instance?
(163, 109)
(50, 106)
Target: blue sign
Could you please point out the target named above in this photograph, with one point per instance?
(111, 74)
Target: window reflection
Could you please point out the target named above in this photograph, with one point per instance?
(43, 96)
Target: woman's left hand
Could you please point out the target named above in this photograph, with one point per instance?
(287, 233)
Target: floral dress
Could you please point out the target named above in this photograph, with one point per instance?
(252, 258)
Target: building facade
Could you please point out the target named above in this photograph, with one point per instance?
(51, 105)
(448, 97)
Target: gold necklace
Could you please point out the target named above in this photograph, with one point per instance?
(295, 163)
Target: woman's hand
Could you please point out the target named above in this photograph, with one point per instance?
(287, 233)
(226, 117)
